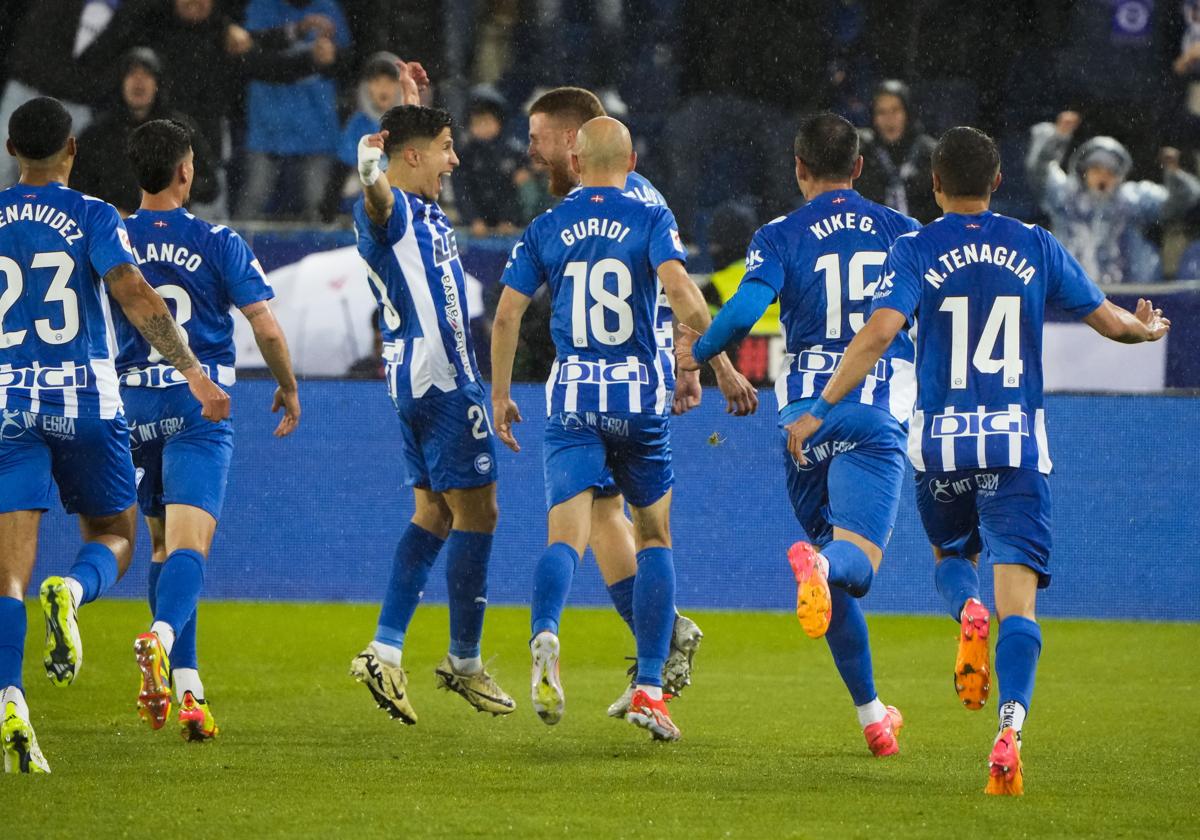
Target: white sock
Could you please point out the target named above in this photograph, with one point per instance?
(14, 695)
(653, 691)
(187, 679)
(388, 654)
(872, 712)
(1012, 714)
(472, 665)
(76, 590)
(165, 635)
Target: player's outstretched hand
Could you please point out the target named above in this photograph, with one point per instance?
(505, 413)
(1156, 325)
(685, 340)
(799, 431)
(688, 392)
(741, 398)
(289, 401)
(214, 403)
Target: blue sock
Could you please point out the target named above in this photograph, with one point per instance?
(96, 570)
(849, 567)
(957, 580)
(152, 587)
(467, 554)
(183, 652)
(654, 612)
(12, 642)
(415, 556)
(178, 590)
(1017, 652)
(850, 646)
(551, 586)
(621, 593)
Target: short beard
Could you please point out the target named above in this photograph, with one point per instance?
(562, 180)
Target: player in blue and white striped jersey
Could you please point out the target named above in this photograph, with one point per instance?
(603, 255)
(979, 283)
(60, 410)
(555, 117)
(412, 264)
(821, 262)
(182, 461)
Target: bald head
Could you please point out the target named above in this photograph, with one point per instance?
(603, 152)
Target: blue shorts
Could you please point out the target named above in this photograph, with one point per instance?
(87, 458)
(607, 452)
(856, 467)
(1004, 512)
(448, 440)
(181, 458)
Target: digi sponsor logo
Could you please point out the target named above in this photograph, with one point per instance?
(483, 463)
(1002, 422)
(603, 372)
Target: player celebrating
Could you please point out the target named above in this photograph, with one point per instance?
(412, 262)
(61, 408)
(846, 498)
(183, 461)
(599, 251)
(979, 283)
(555, 118)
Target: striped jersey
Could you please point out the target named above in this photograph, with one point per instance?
(415, 274)
(56, 355)
(200, 270)
(637, 186)
(823, 261)
(979, 286)
(599, 251)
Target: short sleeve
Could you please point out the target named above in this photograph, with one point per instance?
(397, 223)
(107, 240)
(665, 244)
(245, 280)
(900, 280)
(1069, 288)
(764, 263)
(523, 272)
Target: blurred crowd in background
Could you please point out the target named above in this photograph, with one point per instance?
(1095, 103)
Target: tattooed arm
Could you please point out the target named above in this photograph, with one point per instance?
(149, 314)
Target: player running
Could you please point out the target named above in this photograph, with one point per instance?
(555, 118)
(412, 262)
(979, 283)
(61, 420)
(822, 262)
(182, 461)
(599, 251)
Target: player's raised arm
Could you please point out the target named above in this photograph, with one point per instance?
(377, 191)
(506, 330)
(272, 343)
(691, 313)
(149, 315)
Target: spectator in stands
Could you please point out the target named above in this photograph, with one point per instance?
(51, 55)
(102, 166)
(897, 165)
(729, 233)
(378, 90)
(292, 129)
(485, 189)
(1099, 216)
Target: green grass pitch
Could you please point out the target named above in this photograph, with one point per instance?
(770, 744)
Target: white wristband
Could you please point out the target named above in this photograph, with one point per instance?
(368, 162)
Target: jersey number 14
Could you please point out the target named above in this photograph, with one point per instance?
(1005, 318)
